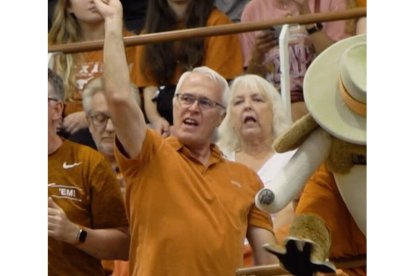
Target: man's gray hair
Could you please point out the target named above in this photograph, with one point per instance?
(57, 83)
(212, 75)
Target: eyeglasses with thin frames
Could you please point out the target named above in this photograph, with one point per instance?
(99, 120)
(50, 99)
(205, 103)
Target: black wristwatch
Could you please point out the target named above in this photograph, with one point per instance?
(315, 28)
(82, 234)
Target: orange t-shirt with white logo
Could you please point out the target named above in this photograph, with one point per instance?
(82, 183)
(89, 66)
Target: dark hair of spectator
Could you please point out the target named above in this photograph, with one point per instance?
(161, 59)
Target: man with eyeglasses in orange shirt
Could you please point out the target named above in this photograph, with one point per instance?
(99, 119)
(103, 134)
(189, 208)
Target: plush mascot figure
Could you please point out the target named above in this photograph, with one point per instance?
(330, 221)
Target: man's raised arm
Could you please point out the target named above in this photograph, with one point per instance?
(127, 117)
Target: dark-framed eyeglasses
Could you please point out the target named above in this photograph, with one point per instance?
(99, 119)
(187, 99)
(50, 99)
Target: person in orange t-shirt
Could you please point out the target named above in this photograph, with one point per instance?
(78, 21)
(161, 64)
(86, 214)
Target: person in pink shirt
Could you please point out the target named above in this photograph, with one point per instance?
(261, 50)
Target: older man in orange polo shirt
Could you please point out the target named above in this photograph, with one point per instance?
(189, 208)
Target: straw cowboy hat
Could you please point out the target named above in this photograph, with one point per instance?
(335, 90)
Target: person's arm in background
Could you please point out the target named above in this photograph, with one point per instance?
(74, 122)
(247, 39)
(255, 45)
(264, 41)
(332, 31)
(257, 238)
(110, 243)
(159, 123)
(126, 115)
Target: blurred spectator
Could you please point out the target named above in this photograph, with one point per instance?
(232, 8)
(134, 14)
(78, 21)
(86, 214)
(103, 133)
(261, 51)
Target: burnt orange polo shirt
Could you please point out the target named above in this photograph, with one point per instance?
(187, 218)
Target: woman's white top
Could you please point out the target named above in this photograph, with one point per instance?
(272, 167)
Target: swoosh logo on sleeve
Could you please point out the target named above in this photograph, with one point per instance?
(69, 166)
(236, 183)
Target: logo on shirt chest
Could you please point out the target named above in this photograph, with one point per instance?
(69, 166)
(62, 191)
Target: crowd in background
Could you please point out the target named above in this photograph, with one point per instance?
(171, 124)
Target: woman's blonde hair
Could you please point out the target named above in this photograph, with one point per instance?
(65, 29)
(228, 138)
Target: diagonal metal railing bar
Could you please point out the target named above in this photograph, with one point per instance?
(212, 30)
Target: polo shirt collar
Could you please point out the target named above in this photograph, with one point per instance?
(215, 157)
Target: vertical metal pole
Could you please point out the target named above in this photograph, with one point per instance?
(284, 71)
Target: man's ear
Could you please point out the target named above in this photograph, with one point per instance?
(58, 110)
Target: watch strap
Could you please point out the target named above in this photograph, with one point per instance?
(315, 28)
(82, 234)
